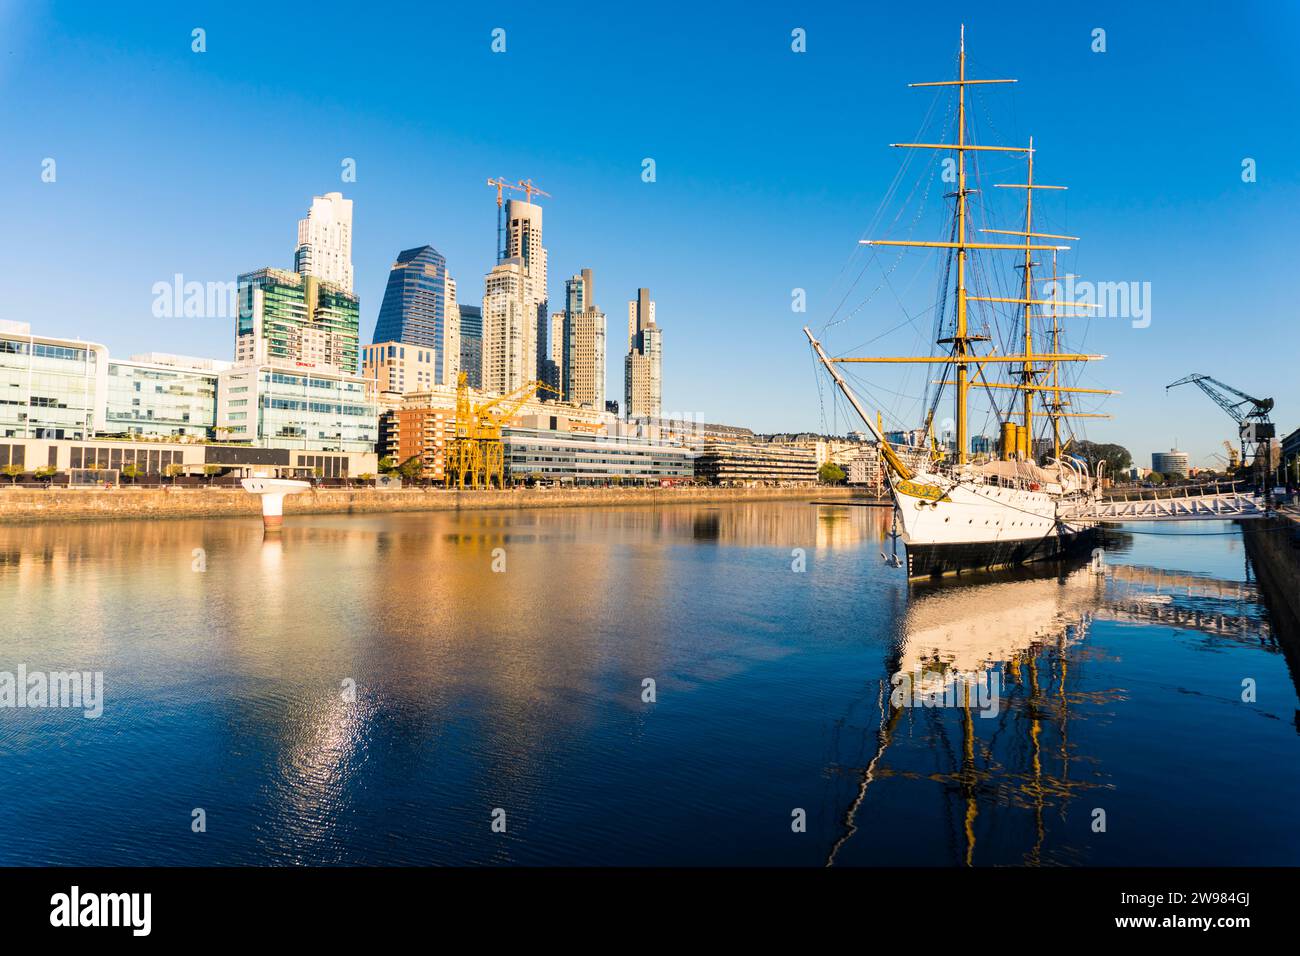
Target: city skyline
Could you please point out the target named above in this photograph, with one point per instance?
(765, 214)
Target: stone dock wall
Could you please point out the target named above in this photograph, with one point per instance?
(59, 504)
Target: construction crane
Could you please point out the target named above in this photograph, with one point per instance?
(1234, 459)
(501, 185)
(1251, 414)
(476, 457)
(525, 186)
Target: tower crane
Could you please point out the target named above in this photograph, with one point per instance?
(525, 186)
(501, 185)
(1254, 428)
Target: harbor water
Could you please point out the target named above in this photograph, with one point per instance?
(737, 684)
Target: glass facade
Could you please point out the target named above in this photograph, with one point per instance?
(416, 303)
(49, 388)
(144, 400)
(471, 344)
(286, 408)
(287, 316)
(148, 461)
(594, 459)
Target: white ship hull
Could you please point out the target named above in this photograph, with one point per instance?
(975, 521)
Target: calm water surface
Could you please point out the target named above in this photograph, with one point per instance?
(522, 690)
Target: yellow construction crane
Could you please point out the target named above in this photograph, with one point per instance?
(1234, 458)
(476, 458)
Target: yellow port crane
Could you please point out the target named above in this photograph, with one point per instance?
(476, 458)
(1234, 459)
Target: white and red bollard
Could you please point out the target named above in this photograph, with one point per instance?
(272, 492)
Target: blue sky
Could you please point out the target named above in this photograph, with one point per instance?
(770, 165)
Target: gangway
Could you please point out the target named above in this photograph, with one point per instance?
(1216, 504)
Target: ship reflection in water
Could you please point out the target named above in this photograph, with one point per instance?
(981, 722)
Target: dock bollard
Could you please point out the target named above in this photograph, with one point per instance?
(272, 492)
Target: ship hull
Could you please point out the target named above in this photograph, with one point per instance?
(949, 527)
(938, 559)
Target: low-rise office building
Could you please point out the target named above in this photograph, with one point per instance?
(296, 405)
(162, 395)
(756, 463)
(97, 461)
(50, 387)
(573, 452)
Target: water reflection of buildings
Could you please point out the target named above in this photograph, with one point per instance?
(1026, 637)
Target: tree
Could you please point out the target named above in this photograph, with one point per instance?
(387, 466)
(1156, 478)
(174, 471)
(46, 474)
(1116, 457)
(831, 474)
(12, 471)
(211, 471)
(412, 469)
(132, 472)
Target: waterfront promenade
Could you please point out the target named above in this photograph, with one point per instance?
(23, 504)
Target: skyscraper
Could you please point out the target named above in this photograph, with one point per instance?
(298, 318)
(471, 344)
(325, 241)
(420, 308)
(508, 356)
(643, 367)
(581, 360)
(524, 241)
(515, 304)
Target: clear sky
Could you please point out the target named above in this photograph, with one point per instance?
(770, 165)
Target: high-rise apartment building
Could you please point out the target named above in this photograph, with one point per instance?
(643, 367)
(581, 355)
(515, 304)
(524, 242)
(471, 344)
(287, 316)
(508, 357)
(324, 247)
(420, 309)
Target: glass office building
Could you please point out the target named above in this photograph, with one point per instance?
(295, 406)
(49, 388)
(284, 316)
(582, 458)
(471, 344)
(178, 398)
(419, 307)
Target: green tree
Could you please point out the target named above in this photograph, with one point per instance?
(174, 471)
(211, 471)
(1116, 457)
(1156, 478)
(12, 471)
(132, 472)
(412, 469)
(831, 474)
(387, 466)
(46, 473)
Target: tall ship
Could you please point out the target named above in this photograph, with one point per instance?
(1022, 495)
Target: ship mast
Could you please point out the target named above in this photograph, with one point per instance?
(962, 355)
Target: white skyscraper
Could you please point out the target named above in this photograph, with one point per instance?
(325, 241)
(643, 367)
(515, 304)
(508, 359)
